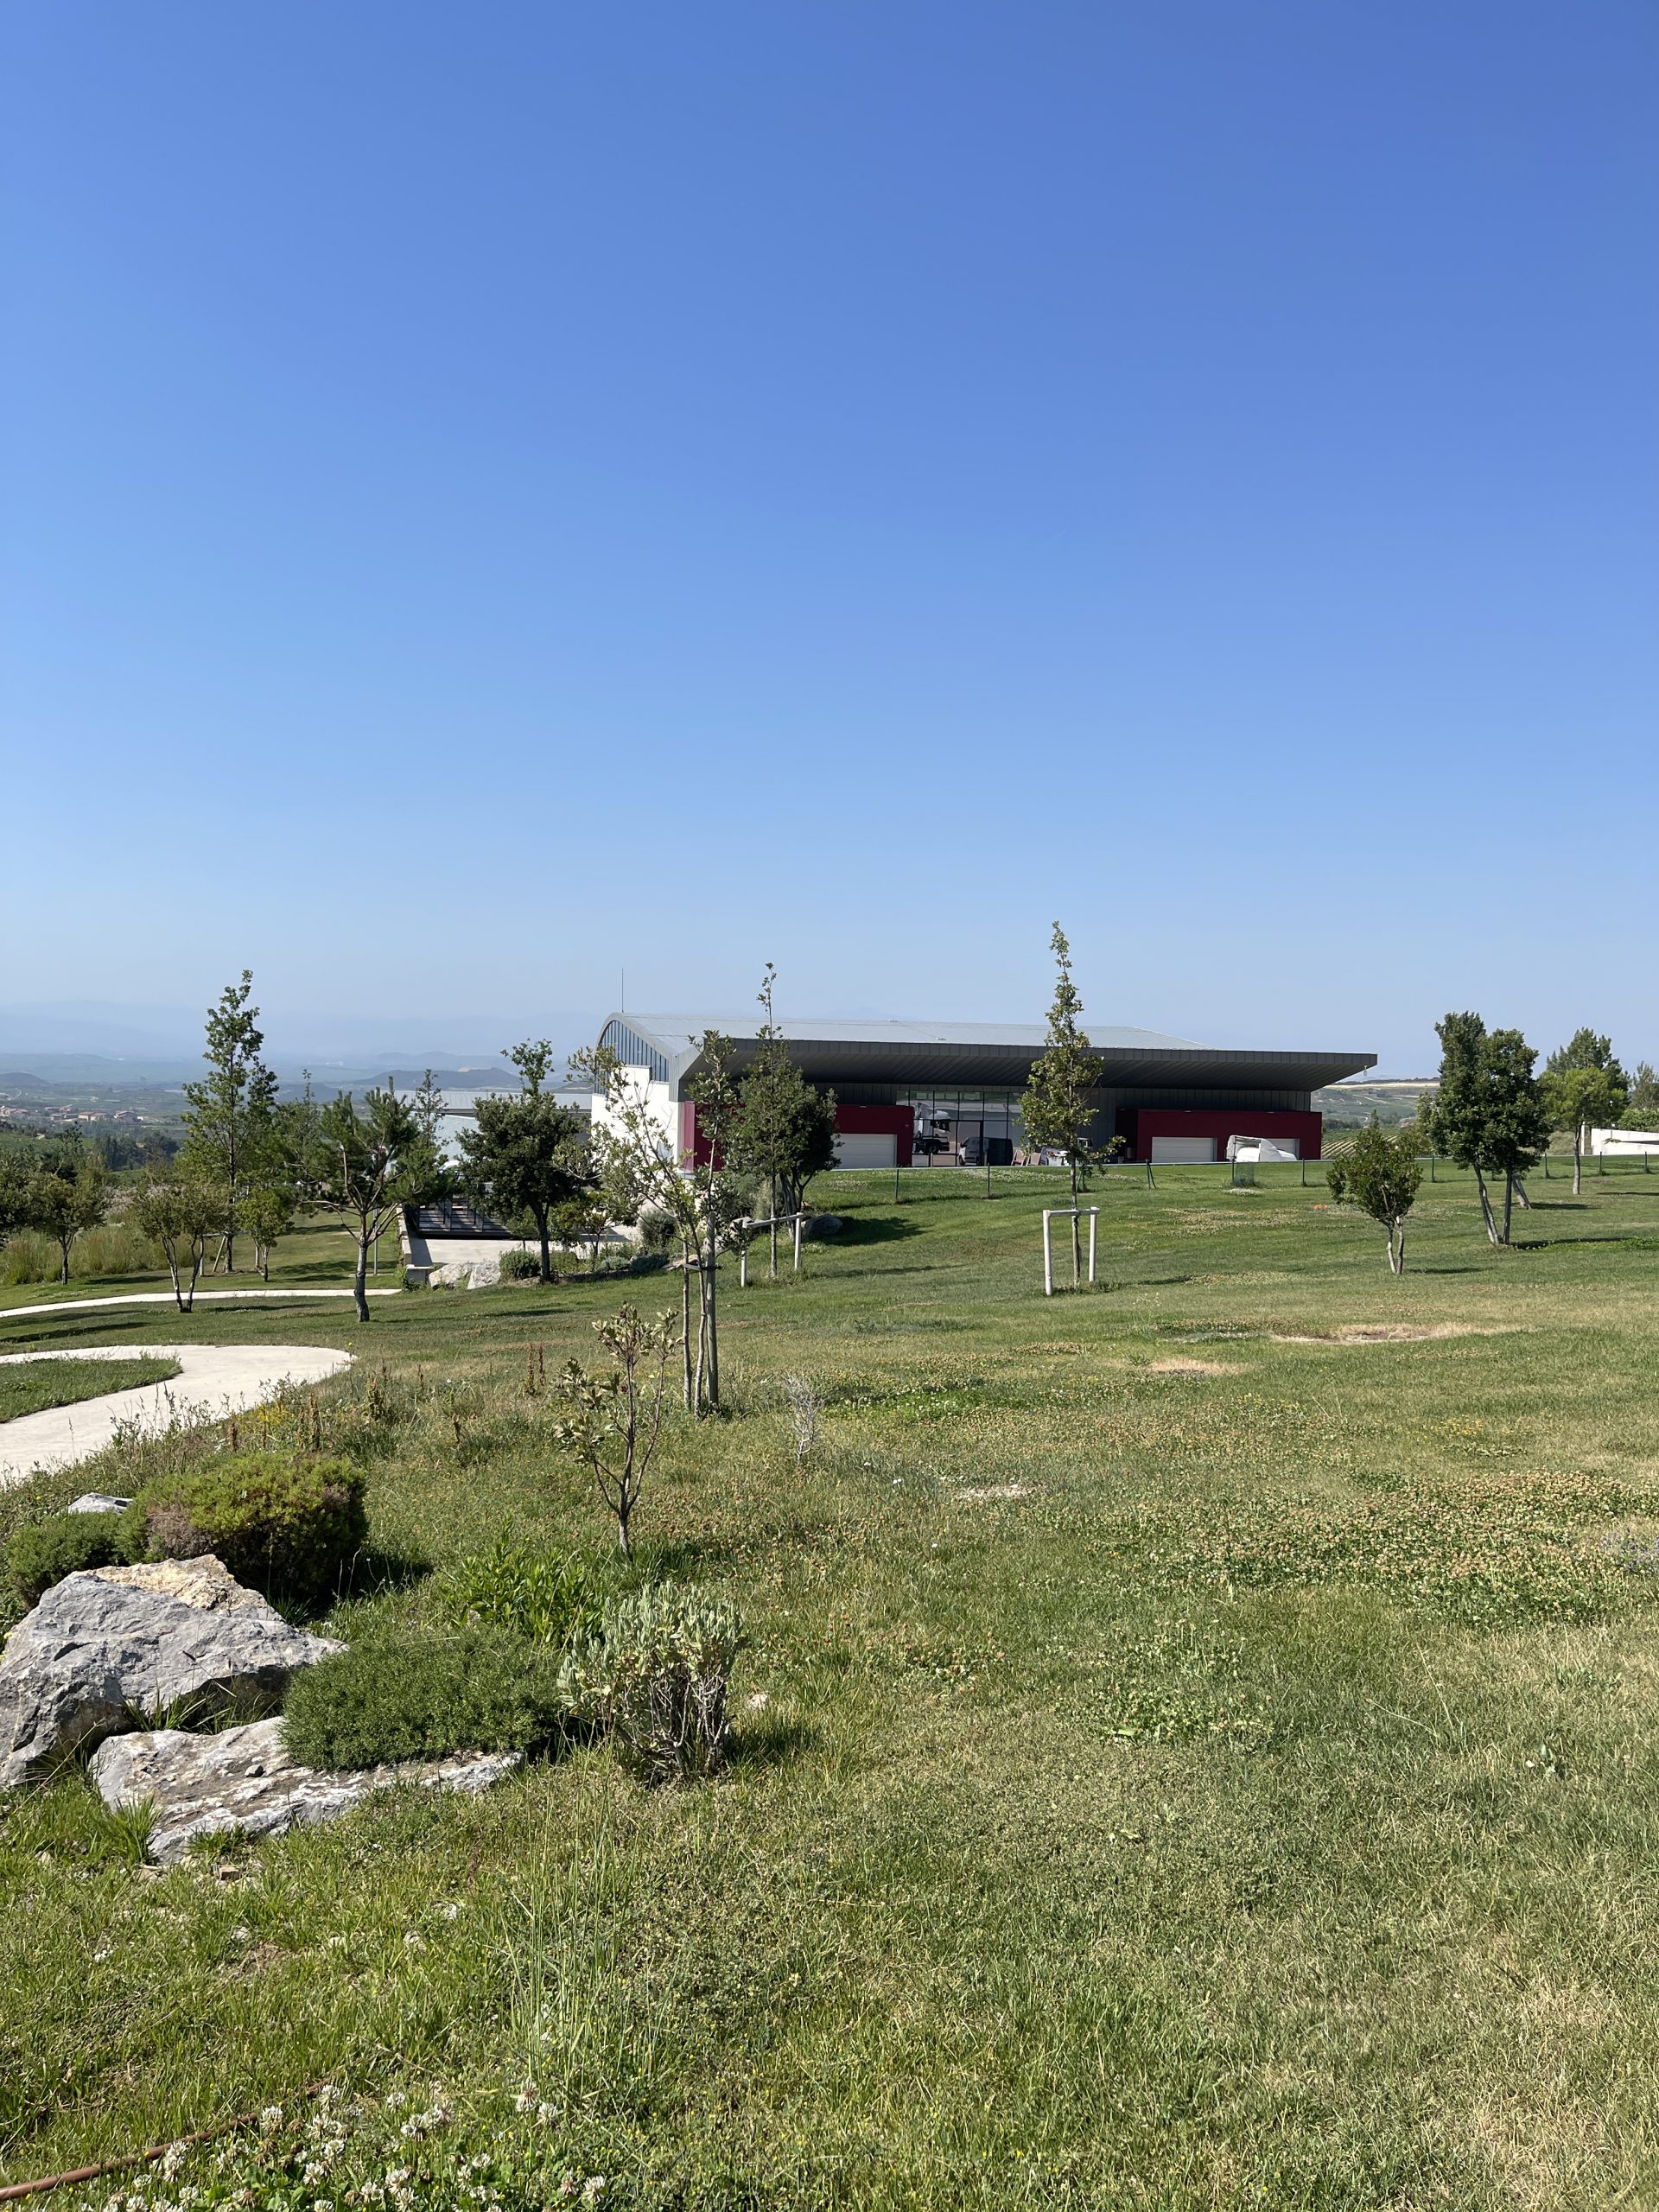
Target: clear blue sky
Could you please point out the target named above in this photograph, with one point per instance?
(497, 494)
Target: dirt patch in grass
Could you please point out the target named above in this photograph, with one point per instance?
(1392, 1332)
(1197, 1367)
(992, 1490)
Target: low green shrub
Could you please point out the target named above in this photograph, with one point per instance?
(288, 1525)
(416, 1695)
(656, 1673)
(521, 1267)
(523, 1589)
(113, 1251)
(43, 1552)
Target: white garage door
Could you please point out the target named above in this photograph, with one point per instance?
(1171, 1150)
(866, 1148)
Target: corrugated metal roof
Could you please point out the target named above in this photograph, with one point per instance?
(970, 1054)
(678, 1033)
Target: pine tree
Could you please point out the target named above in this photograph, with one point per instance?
(230, 1127)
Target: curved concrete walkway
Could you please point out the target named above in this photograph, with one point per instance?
(166, 1297)
(213, 1380)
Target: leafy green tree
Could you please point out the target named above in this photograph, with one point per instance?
(528, 1155)
(782, 1129)
(1584, 1087)
(229, 1129)
(1380, 1174)
(1489, 1112)
(1644, 1096)
(369, 1162)
(17, 1168)
(1059, 1108)
(268, 1213)
(181, 1212)
(65, 1197)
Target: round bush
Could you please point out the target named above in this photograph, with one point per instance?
(69, 1544)
(421, 1696)
(521, 1267)
(289, 1526)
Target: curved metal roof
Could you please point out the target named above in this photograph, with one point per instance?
(967, 1054)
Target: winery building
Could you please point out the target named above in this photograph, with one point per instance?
(920, 1093)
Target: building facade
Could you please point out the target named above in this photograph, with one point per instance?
(915, 1094)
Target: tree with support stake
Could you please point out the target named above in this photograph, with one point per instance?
(1059, 1108)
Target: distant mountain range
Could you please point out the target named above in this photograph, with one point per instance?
(90, 1041)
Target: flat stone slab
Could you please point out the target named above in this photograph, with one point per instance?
(242, 1780)
(107, 1650)
(213, 1382)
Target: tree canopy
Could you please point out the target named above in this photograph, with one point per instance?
(528, 1155)
(1489, 1112)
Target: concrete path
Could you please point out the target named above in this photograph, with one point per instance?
(213, 1380)
(166, 1297)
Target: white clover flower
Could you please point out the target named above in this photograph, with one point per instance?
(452, 1912)
(523, 2102)
(271, 2118)
(593, 2189)
(413, 1940)
(546, 2114)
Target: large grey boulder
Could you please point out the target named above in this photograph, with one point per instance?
(243, 1778)
(115, 1647)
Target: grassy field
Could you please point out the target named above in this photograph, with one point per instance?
(1196, 1743)
(36, 1385)
(318, 1251)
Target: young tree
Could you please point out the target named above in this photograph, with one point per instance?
(66, 1198)
(640, 1168)
(613, 1420)
(528, 1155)
(267, 1214)
(782, 1129)
(1644, 1096)
(181, 1212)
(1381, 1175)
(1584, 1086)
(371, 1163)
(230, 1128)
(1059, 1114)
(1488, 1113)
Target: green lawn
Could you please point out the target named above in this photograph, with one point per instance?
(1198, 1742)
(317, 1251)
(34, 1385)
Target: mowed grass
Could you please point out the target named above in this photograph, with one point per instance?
(34, 1386)
(320, 1250)
(1197, 1747)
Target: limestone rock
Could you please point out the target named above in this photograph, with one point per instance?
(104, 1649)
(96, 1501)
(243, 1779)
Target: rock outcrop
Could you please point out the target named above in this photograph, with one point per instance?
(243, 1779)
(113, 1648)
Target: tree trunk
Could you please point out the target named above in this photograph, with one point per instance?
(547, 1256)
(685, 1320)
(1521, 1198)
(172, 1252)
(1077, 1234)
(1508, 1206)
(360, 1280)
(63, 1245)
(773, 1225)
(712, 1279)
(1486, 1208)
(198, 1254)
(1578, 1160)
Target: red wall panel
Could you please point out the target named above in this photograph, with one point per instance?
(1141, 1123)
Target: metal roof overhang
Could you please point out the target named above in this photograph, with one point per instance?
(978, 1066)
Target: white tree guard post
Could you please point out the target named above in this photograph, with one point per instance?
(783, 1221)
(1090, 1214)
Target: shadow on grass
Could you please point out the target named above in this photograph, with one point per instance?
(760, 1743)
(876, 1229)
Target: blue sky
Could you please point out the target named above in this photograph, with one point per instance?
(496, 496)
